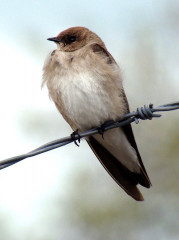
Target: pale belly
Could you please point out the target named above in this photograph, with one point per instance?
(85, 100)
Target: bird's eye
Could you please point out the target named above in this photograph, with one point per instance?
(71, 38)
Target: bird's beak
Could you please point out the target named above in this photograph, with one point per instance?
(54, 39)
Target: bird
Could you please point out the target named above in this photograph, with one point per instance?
(86, 85)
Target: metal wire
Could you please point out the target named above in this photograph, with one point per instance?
(144, 113)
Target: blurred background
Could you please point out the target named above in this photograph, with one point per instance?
(66, 193)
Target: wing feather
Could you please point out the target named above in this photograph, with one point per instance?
(123, 176)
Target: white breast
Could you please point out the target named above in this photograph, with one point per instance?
(85, 100)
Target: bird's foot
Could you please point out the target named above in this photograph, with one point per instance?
(102, 129)
(76, 140)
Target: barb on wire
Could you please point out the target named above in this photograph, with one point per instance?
(144, 113)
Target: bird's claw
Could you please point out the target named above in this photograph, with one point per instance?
(76, 140)
(101, 131)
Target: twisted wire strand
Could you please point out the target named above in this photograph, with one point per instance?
(143, 113)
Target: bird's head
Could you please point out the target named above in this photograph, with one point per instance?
(75, 38)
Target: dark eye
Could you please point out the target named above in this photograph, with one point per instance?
(71, 38)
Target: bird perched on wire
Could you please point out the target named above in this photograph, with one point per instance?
(85, 83)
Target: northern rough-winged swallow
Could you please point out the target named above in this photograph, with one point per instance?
(85, 84)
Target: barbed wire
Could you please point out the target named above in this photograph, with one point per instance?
(144, 113)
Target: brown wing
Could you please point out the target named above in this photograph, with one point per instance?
(127, 129)
(124, 177)
(130, 136)
(103, 51)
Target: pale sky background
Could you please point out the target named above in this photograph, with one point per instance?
(29, 119)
